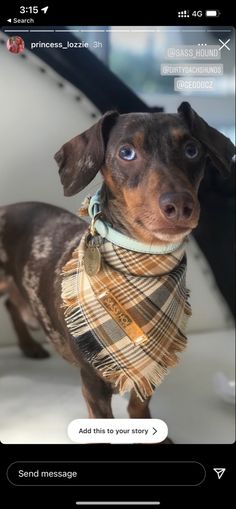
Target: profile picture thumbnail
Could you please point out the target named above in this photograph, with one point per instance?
(15, 44)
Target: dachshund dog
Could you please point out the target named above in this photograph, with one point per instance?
(152, 165)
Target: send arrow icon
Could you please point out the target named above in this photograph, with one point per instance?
(219, 472)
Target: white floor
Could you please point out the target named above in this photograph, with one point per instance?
(40, 398)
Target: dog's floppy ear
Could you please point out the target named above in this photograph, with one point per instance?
(220, 149)
(81, 158)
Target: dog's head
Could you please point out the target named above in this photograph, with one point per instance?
(152, 165)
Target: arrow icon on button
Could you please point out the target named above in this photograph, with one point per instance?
(154, 430)
(219, 472)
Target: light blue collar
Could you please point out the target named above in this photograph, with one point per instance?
(117, 238)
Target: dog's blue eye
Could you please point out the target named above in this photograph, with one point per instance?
(127, 153)
(191, 150)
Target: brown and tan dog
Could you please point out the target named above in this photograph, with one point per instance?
(152, 165)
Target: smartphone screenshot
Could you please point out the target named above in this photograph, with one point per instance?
(117, 257)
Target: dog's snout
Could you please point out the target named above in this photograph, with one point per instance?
(176, 206)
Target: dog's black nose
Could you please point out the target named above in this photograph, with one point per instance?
(176, 206)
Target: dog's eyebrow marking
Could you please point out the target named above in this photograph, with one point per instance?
(138, 139)
(42, 247)
(177, 133)
(127, 140)
(3, 253)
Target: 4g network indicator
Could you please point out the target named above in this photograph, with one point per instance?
(214, 13)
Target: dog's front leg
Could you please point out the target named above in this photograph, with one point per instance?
(138, 409)
(97, 395)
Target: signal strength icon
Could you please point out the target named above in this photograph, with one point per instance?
(183, 14)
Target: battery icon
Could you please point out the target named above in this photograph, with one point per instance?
(212, 14)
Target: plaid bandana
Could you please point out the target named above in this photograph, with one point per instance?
(128, 320)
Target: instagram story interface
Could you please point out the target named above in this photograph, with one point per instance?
(116, 255)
